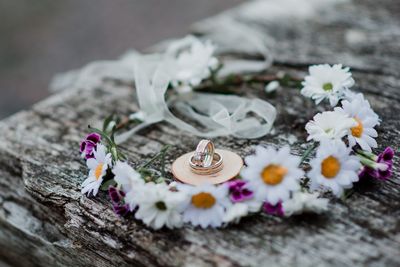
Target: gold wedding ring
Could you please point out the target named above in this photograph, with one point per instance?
(204, 154)
(205, 160)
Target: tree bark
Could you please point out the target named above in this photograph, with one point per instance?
(45, 221)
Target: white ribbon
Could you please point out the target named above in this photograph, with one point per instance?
(227, 115)
(218, 114)
(233, 36)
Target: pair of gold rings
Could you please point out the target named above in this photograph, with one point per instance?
(205, 161)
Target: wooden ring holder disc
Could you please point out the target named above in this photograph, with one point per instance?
(232, 162)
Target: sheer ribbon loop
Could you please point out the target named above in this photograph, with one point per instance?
(218, 115)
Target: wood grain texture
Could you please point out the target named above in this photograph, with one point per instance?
(45, 221)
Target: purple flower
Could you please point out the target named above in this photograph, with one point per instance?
(121, 210)
(276, 210)
(368, 172)
(238, 191)
(381, 169)
(116, 195)
(386, 155)
(89, 144)
(117, 199)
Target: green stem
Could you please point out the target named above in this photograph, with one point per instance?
(163, 164)
(308, 152)
(347, 194)
(221, 86)
(366, 154)
(104, 135)
(214, 73)
(366, 161)
(114, 153)
(156, 157)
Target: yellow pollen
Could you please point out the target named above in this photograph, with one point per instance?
(98, 171)
(357, 131)
(273, 174)
(330, 167)
(203, 200)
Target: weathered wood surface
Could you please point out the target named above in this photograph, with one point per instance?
(45, 221)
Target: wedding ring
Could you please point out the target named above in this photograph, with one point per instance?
(232, 164)
(204, 154)
(216, 165)
(208, 171)
(205, 161)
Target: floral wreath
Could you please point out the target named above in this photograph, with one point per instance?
(273, 180)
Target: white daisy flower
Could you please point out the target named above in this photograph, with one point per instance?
(126, 177)
(158, 206)
(98, 167)
(205, 205)
(235, 212)
(349, 94)
(331, 125)
(302, 202)
(272, 174)
(189, 61)
(363, 133)
(334, 168)
(130, 181)
(327, 82)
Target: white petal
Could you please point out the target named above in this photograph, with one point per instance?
(91, 163)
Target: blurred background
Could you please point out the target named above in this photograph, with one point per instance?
(40, 38)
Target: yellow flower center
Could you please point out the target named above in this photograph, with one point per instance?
(99, 170)
(203, 200)
(357, 131)
(273, 174)
(330, 167)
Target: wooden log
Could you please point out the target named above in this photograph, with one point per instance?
(45, 221)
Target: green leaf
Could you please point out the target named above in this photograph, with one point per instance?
(121, 155)
(309, 150)
(107, 122)
(160, 180)
(114, 153)
(347, 194)
(107, 184)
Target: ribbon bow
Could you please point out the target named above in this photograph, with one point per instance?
(218, 114)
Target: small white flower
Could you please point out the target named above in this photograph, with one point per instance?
(331, 125)
(363, 133)
(334, 168)
(126, 177)
(272, 174)
(130, 182)
(98, 167)
(271, 87)
(253, 205)
(158, 206)
(302, 202)
(189, 61)
(205, 205)
(235, 212)
(327, 82)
